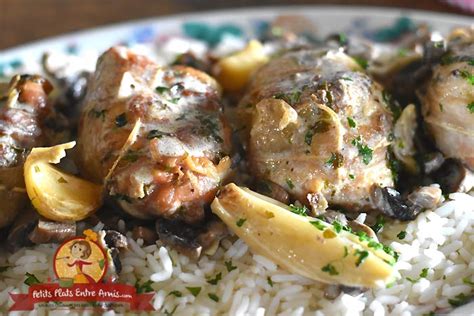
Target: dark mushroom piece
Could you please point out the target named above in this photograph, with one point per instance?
(20, 229)
(191, 241)
(147, 234)
(391, 203)
(51, 232)
(180, 236)
(272, 190)
(453, 176)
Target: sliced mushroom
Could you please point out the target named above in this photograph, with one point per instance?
(52, 232)
(432, 162)
(19, 231)
(273, 190)
(391, 203)
(425, 197)
(114, 239)
(453, 176)
(147, 234)
(216, 230)
(180, 236)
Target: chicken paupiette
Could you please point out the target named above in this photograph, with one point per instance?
(318, 126)
(154, 135)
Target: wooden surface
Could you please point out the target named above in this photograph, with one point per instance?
(26, 20)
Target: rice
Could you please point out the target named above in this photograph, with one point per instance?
(441, 241)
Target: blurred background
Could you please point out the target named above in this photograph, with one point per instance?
(22, 21)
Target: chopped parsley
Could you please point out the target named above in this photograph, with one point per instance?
(364, 151)
(361, 61)
(31, 279)
(375, 245)
(337, 226)
(62, 180)
(240, 222)
(441, 107)
(194, 290)
(346, 78)
(470, 107)
(4, 268)
(299, 210)
(290, 184)
(459, 300)
(145, 287)
(362, 255)
(468, 76)
(269, 281)
(176, 293)
(402, 234)
(229, 266)
(216, 279)
(161, 89)
(351, 122)
(346, 251)
(329, 268)
(467, 281)
(351, 176)
(213, 297)
(424, 273)
(342, 39)
(335, 161)
(291, 98)
(171, 313)
(318, 224)
(121, 120)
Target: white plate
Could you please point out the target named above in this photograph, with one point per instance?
(327, 19)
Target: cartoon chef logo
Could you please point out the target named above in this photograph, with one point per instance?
(80, 260)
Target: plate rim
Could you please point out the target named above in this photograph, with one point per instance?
(250, 11)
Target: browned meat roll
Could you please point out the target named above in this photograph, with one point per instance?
(155, 135)
(319, 127)
(24, 111)
(448, 99)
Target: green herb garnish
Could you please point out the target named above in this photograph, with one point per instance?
(176, 293)
(351, 122)
(269, 281)
(364, 151)
(216, 279)
(240, 222)
(291, 98)
(459, 300)
(194, 290)
(31, 279)
(329, 268)
(470, 107)
(229, 266)
(468, 76)
(145, 287)
(299, 210)
(361, 61)
(161, 89)
(362, 255)
(213, 297)
(402, 234)
(318, 224)
(337, 226)
(335, 161)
